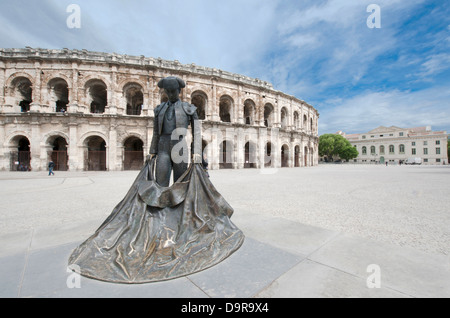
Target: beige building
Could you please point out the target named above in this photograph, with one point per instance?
(93, 111)
(395, 145)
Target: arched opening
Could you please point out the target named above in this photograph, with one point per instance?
(250, 155)
(226, 155)
(268, 155)
(20, 157)
(133, 157)
(59, 154)
(296, 121)
(297, 156)
(305, 122)
(134, 97)
(95, 154)
(249, 112)
(284, 156)
(199, 99)
(59, 92)
(284, 118)
(23, 93)
(268, 115)
(306, 156)
(225, 108)
(97, 96)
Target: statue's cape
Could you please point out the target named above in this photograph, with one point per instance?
(157, 233)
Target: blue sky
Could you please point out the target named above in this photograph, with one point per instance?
(320, 51)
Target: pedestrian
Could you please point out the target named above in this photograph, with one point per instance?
(51, 165)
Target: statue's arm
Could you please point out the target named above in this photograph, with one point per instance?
(155, 138)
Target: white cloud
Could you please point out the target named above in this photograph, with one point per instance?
(368, 110)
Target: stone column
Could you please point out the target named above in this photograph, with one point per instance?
(111, 95)
(76, 160)
(35, 105)
(72, 107)
(111, 157)
(35, 145)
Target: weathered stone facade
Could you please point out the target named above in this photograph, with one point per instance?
(93, 111)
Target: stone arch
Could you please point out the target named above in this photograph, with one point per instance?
(21, 91)
(296, 120)
(297, 156)
(268, 114)
(133, 155)
(249, 112)
(56, 144)
(269, 157)
(305, 122)
(200, 99)
(84, 137)
(284, 117)
(97, 95)
(58, 90)
(226, 108)
(20, 152)
(95, 153)
(226, 154)
(305, 155)
(134, 97)
(250, 156)
(284, 156)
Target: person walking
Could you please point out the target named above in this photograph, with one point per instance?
(51, 165)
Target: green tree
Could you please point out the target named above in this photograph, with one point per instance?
(335, 145)
(448, 149)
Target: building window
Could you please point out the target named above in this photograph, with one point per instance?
(413, 151)
(413, 143)
(438, 160)
(438, 142)
(438, 151)
(364, 150)
(363, 137)
(425, 160)
(425, 151)
(402, 148)
(400, 134)
(425, 143)
(391, 149)
(372, 150)
(381, 150)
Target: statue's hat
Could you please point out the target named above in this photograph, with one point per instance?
(171, 82)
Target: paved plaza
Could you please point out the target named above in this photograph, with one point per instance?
(328, 231)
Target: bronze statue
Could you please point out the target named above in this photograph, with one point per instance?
(159, 232)
(169, 128)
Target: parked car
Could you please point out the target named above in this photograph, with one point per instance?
(413, 161)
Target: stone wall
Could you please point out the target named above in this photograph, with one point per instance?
(80, 96)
